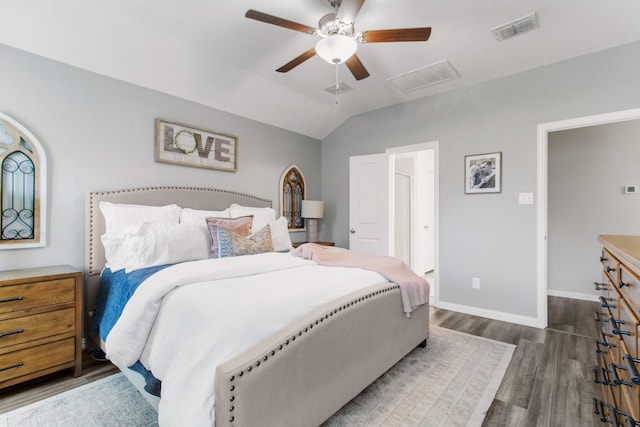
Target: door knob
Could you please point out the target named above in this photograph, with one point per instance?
(352, 231)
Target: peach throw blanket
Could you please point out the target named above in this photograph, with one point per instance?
(413, 288)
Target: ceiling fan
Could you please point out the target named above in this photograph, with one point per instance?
(338, 39)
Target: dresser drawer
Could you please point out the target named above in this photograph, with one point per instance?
(628, 330)
(38, 358)
(29, 328)
(629, 285)
(629, 392)
(610, 265)
(36, 294)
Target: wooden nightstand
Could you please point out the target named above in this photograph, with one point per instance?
(40, 322)
(296, 244)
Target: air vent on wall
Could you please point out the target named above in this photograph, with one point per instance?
(439, 72)
(516, 27)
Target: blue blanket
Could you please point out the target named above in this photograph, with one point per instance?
(113, 294)
(115, 290)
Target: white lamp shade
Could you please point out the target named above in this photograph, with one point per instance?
(312, 209)
(336, 48)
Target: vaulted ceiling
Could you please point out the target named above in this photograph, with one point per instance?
(208, 52)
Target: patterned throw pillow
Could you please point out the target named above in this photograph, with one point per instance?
(233, 244)
(240, 225)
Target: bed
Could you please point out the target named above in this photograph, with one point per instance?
(306, 369)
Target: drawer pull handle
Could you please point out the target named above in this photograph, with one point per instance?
(616, 378)
(610, 269)
(597, 372)
(20, 298)
(630, 362)
(17, 365)
(603, 258)
(605, 304)
(598, 409)
(622, 284)
(19, 331)
(596, 316)
(613, 324)
(604, 342)
(600, 286)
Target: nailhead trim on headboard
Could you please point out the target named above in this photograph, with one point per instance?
(261, 360)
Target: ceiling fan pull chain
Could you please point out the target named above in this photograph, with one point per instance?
(337, 83)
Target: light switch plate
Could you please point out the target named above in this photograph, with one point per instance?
(525, 198)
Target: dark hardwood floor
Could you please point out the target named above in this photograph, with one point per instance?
(549, 381)
(550, 378)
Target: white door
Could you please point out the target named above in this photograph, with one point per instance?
(369, 204)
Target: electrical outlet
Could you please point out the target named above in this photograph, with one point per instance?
(475, 283)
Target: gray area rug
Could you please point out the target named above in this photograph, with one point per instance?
(452, 382)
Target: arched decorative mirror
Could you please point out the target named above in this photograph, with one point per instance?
(292, 192)
(23, 167)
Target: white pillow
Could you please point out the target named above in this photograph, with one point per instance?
(261, 216)
(199, 218)
(280, 238)
(112, 253)
(195, 216)
(160, 243)
(128, 218)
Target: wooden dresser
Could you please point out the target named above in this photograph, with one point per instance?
(619, 315)
(40, 322)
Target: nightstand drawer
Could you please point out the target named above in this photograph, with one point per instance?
(36, 294)
(29, 328)
(38, 358)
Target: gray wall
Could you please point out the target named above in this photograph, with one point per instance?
(488, 236)
(99, 134)
(588, 168)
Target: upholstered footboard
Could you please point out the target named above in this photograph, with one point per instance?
(305, 373)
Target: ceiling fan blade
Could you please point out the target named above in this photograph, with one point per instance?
(349, 10)
(297, 61)
(270, 19)
(356, 67)
(398, 35)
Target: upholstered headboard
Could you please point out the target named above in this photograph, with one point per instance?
(186, 197)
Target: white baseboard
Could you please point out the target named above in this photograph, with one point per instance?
(509, 317)
(572, 295)
(490, 314)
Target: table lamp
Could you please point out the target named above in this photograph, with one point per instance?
(311, 211)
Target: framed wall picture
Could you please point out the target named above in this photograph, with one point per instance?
(186, 145)
(483, 173)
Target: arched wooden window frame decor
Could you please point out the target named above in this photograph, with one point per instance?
(23, 175)
(292, 193)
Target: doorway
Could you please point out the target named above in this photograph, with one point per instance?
(415, 207)
(542, 186)
(372, 207)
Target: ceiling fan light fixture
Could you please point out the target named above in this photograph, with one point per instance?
(336, 48)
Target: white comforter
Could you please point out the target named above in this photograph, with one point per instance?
(185, 320)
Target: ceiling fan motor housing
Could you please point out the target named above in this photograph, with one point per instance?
(329, 25)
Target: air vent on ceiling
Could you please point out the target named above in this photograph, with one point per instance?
(513, 28)
(333, 88)
(439, 72)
